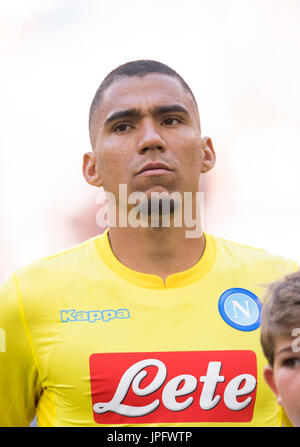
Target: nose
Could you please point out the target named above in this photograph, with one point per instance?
(149, 138)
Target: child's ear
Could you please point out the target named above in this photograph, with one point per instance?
(269, 378)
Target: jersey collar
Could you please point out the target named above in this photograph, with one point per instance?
(145, 280)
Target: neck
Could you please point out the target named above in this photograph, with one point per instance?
(159, 251)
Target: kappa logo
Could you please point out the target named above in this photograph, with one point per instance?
(240, 308)
(93, 315)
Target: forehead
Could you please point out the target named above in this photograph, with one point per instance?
(282, 342)
(144, 93)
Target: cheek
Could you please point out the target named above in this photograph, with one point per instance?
(188, 150)
(112, 163)
(288, 385)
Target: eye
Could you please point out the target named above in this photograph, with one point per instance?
(172, 121)
(121, 127)
(291, 362)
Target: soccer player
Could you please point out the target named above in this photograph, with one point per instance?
(154, 322)
(280, 338)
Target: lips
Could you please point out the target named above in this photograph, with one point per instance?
(155, 167)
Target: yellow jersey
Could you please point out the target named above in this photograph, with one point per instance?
(87, 341)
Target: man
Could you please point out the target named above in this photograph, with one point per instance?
(149, 323)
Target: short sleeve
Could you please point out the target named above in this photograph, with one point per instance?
(20, 385)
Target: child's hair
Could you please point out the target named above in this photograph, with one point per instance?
(280, 312)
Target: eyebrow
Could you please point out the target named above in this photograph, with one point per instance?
(287, 349)
(160, 110)
(137, 113)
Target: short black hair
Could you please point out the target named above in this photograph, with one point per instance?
(137, 68)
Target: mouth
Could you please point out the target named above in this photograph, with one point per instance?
(154, 169)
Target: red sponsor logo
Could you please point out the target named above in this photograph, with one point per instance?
(158, 387)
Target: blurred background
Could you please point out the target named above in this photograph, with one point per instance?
(240, 58)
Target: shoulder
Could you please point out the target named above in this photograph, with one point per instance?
(248, 257)
(71, 258)
(49, 279)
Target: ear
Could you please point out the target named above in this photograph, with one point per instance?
(209, 156)
(269, 378)
(90, 170)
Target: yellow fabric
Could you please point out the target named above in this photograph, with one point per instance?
(45, 366)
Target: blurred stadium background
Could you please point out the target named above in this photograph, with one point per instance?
(241, 59)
